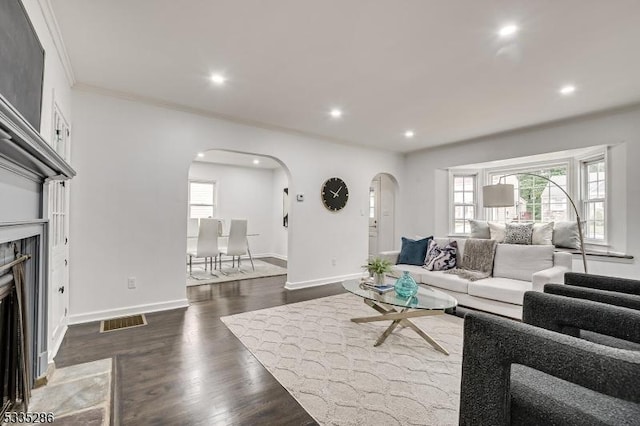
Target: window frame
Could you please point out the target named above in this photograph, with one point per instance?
(576, 185)
(585, 200)
(214, 197)
(452, 204)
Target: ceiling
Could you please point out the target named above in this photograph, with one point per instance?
(237, 159)
(437, 67)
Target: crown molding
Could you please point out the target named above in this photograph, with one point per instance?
(56, 36)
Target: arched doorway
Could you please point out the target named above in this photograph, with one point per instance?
(382, 213)
(228, 185)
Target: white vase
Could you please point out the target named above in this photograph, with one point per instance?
(378, 279)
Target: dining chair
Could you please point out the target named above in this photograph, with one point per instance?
(237, 244)
(207, 245)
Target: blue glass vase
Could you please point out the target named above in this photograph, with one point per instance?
(406, 286)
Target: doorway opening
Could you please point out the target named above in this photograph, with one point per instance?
(382, 213)
(237, 219)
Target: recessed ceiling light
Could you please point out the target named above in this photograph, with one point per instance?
(218, 79)
(200, 154)
(409, 134)
(508, 30)
(256, 161)
(335, 113)
(567, 90)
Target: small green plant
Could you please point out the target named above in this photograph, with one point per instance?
(378, 265)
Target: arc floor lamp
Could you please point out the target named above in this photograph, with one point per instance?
(501, 195)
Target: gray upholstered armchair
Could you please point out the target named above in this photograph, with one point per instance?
(599, 288)
(538, 372)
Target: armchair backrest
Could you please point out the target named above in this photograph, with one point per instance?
(569, 315)
(621, 285)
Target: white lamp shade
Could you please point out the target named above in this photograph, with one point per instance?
(500, 195)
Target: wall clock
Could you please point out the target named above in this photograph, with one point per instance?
(334, 194)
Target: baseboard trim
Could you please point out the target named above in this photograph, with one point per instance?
(321, 281)
(56, 345)
(274, 255)
(129, 310)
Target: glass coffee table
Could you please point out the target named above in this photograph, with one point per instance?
(400, 310)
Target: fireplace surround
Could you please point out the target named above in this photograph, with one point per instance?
(27, 164)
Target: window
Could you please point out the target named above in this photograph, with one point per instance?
(582, 173)
(594, 199)
(464, 202)
(201, 199)
(536, 199)
(372, 202)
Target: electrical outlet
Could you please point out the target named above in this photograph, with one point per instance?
(333, 261)
(131, 282)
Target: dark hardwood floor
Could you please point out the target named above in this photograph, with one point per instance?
(187, 368)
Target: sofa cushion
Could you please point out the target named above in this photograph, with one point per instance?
(501, 289)
(413, 252)
(447, 281)
(413, 270)
(519, 262)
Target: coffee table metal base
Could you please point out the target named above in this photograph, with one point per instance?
(400, 318)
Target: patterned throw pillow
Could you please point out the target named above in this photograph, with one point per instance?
(518, 233)
(441, 258)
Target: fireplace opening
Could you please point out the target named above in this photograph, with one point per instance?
(20, 314)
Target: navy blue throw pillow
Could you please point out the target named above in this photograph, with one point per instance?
(413, 252)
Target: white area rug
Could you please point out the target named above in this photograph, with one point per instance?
(329, 364)
(263, 269)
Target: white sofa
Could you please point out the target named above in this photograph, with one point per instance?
(516, 269)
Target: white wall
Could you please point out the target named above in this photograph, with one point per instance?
(128, 204)
(247, 193)
(426, 178)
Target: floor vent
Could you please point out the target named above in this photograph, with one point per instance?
(122, 322)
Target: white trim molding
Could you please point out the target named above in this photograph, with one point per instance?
(56, 35)
(274, 255)
(129, 310)
(320, 281)
(55, 346)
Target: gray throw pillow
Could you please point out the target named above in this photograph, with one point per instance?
(518, 233)
(565, 234)
(479, 229)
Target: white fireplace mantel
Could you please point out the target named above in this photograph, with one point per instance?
(24, 151)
